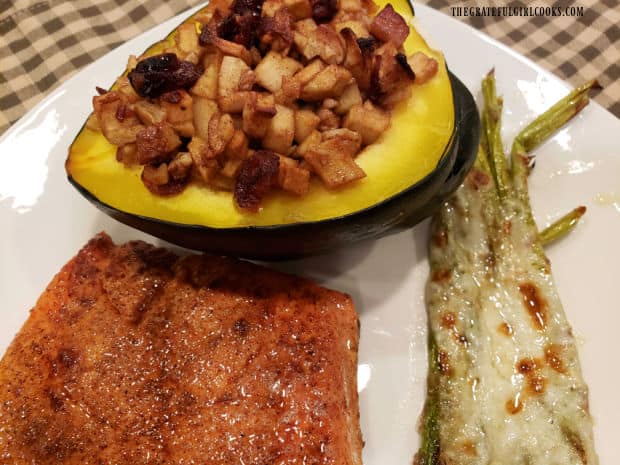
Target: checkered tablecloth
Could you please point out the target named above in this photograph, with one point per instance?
(43, 42)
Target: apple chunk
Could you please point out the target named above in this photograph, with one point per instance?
(273, 68)
(281, 130)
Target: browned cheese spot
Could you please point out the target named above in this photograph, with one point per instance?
(448, 320)
(507, 227)
(441, 239)
(478, 179)
(553, 357)
(535, 304)
(441, 275)
(514, 406)
(505, 329)
(536, 384)
(469, 448)
(525, 366)
(529, 368)
(576, 444)
(443, 362)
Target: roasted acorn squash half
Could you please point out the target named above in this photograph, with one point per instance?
(418, 161)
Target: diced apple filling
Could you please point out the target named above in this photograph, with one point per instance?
(251, 99)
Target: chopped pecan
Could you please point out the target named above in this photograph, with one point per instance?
(180, 166)
(127, 154)
(240, 28)
(277, 31)
(117, 124)
(155, 143)
(155, 175)
(157, 180)
(204, 160)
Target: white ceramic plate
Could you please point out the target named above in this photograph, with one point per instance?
(44, 221)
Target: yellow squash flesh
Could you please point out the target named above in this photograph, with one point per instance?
(410, 149)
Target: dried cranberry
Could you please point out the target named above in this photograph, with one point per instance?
(240, 29)
(258, 174)
(242, 7)
(323, 11)
(206, 35)
(247, 25)
(163, 73)
(227, 28)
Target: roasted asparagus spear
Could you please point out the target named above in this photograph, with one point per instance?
(505, 385)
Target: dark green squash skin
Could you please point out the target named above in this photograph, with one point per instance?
(278, 242)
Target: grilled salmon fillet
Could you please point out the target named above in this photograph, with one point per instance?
(133, 355)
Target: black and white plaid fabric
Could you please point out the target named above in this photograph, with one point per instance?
(42, 43)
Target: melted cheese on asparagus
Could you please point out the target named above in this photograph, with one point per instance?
(506, 378)
(509, 386)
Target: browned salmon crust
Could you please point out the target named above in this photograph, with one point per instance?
(135, 356)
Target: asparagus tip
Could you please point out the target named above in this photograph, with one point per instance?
(562, 226)
(491, 72)
(581, 104)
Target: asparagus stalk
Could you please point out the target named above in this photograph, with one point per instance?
(553, 119)
(540, 130)
(491, 120)
(504, 379)
(562, 226)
